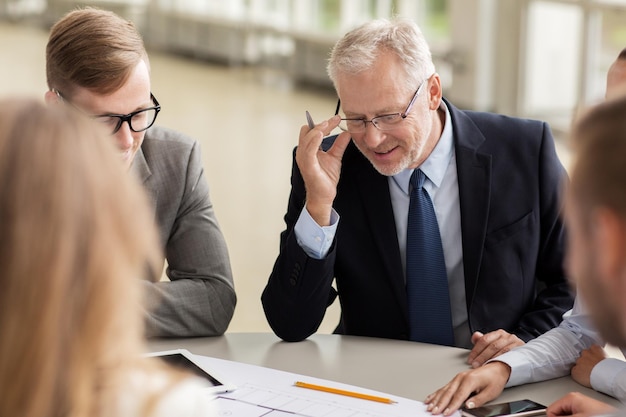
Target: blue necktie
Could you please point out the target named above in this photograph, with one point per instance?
(430, 320)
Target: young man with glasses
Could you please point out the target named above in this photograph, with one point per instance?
(492, 182)
(97, 63)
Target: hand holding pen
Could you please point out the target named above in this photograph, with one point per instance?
(309, 119)
(320, 170)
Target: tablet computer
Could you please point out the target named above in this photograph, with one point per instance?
(183, 359)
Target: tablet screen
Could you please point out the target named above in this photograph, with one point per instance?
(185, 361)
(180, 361)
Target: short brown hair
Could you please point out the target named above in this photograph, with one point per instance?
(599, 170)
(94, 49)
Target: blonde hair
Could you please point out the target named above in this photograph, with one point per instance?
(77, 236)
(359, 49)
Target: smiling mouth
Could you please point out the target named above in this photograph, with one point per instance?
(384, 152)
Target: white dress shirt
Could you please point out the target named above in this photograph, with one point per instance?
(555, 352)
(443, 188)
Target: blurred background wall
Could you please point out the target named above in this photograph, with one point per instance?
(238, 75)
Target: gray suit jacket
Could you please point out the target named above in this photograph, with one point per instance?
(200, 299)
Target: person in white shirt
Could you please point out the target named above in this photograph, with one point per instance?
(574, 346)
(77, 237)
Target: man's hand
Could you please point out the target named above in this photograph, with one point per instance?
(471, 388)
(490, 345)
(581, 372)
(320, 170)
(576, 404)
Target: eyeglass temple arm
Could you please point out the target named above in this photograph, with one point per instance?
(338, 106)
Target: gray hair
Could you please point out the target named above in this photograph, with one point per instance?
(358, 50)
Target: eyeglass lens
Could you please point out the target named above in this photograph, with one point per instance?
(384, 122)
(138, 121)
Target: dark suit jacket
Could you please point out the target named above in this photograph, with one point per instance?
(512, 237)
(200, 299)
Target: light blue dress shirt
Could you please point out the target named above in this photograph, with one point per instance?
(553, 354)
(443, 188)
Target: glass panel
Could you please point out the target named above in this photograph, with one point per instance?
(436, 25)
(339, 16)
(606, 43)
(329, 15)
(612, 2)
(270, 13)
(552, 67)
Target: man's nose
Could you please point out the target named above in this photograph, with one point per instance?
(373, 135)
(124, 137)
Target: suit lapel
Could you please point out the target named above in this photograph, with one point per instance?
(474, 176)
(374, 192)
(141, 169)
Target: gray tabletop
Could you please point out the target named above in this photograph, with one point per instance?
(408, 369)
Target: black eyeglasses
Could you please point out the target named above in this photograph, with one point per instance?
(138, 121)
(382, 122)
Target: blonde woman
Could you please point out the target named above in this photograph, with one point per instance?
(77, 236)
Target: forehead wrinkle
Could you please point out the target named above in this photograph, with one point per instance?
(393, 102)
(374, 91)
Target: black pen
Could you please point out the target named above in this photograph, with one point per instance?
(309, 120)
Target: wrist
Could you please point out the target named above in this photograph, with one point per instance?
(320, 212)
(502, 369)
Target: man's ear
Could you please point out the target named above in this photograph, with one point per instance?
(610, 232)
(434, 91)
(51, 97)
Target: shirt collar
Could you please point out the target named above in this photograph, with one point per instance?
(434, 167)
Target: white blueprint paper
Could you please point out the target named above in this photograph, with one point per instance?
(271, 393)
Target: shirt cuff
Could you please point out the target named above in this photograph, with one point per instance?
(609, 377)
(314, 239)
(520, 369)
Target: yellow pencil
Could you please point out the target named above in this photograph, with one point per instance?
(344, 392)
